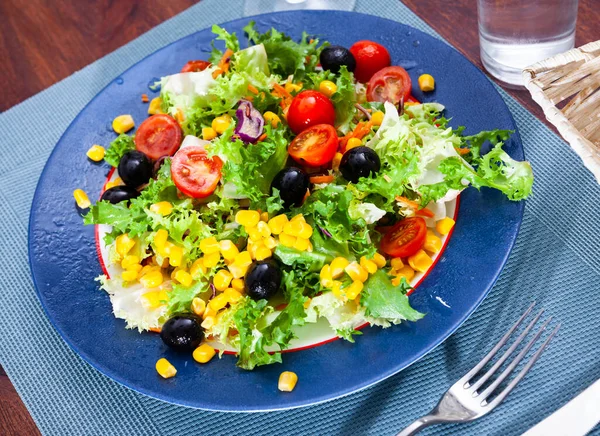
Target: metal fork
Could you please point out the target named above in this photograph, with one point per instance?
(464, 402)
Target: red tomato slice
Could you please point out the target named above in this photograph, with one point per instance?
(158, 136)
(195, 66)
(389, 84)
(310, 108)
(315, 146)
(194, 173)
(405, 238)
(370, 58)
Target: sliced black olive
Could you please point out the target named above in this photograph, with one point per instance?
(135, 168)
(292, 184)
(332, 58)
(118, 194)
(359, 162)
(182, 332)
(263, 279)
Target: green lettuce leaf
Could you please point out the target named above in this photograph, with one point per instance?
(230, 39)
(118, 147)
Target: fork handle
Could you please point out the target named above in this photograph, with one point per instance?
(420, 424)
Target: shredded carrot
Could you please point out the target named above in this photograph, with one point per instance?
(321, 179)
(145, 98)
(280, 90)
(306, 195)
(361, 130)
(462, 151)
(252, 89)
(217, 73)
(425, 212)
(262, 137)
(179, 116)
(155, 329)
(223, 65)
(415, 206)
(249, 97)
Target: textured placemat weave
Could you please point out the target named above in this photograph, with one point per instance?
(556, 261)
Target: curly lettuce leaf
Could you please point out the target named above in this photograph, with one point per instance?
(118, 147)
(230, 39)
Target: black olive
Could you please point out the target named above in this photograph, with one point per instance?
(135, 168)
(182, 332)
(263, 279)
(359, 162)
(292, 184)
(332, 58)
(118, 194)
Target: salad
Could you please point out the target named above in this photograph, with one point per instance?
(281, 184)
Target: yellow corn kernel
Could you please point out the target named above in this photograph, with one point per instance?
(222, 279)
(136, 267)
(272, 118)
(243, 259)
(298, 217)
(353, 143)
(293, 228)
(337, 267)
(357, 272)
(204, 353)
(396, 263)
(263, 253)
(337, 159)
(184, 277)
(198, 306)
(154, 299)
(208, 133)
(353, 290)
(379, 260)
(327, 87)
(208, 322)
(165, 369)
(238, 284)
(232, 295)
(270, 242)
(444, 225)
(148, 268)
(336, 288)
(218, 303)
(129, 275)
(175, 271)
(426, 82)
(130, 260)
(197, 267)
(411, 103)
(81, 198)
(236, 270)
(163, 208)
(301, 244)
(420, 261)
(253, 234)
(96, 153)
(152, 279)
(252, 247)
(211, 260)
(377, 118)
(263, 229)
(287, 381)
(433, 244)
(154, 106)
(116, 182)
(160, 239)
(277, 223)
(406, 271)
(123, 123)
(310, 247)
(123, 244)
(175, 255)
(292, 87)
(208, 312)
(247, 218)
(222, 123)
(287, 240)
(264, 217)
(369, 265)
(325, 276)
(228, 249)
(306, 231)
(210, 245)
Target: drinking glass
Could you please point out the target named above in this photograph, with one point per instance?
(514, 34)
(254, 7)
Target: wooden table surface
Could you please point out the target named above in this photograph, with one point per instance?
(44, 42)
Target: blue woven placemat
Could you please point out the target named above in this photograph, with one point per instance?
(556, 262)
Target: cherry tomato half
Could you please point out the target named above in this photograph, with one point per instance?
(370, 58)
(194, 173)
(315, 146)
(405, 238)
(158, 136)
(310, 108)
(389, 84)
(195, 66)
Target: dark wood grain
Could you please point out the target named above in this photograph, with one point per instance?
(44, 41)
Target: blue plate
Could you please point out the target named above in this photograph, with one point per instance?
(64, 261)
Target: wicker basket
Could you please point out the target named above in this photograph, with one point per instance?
(571, 81)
